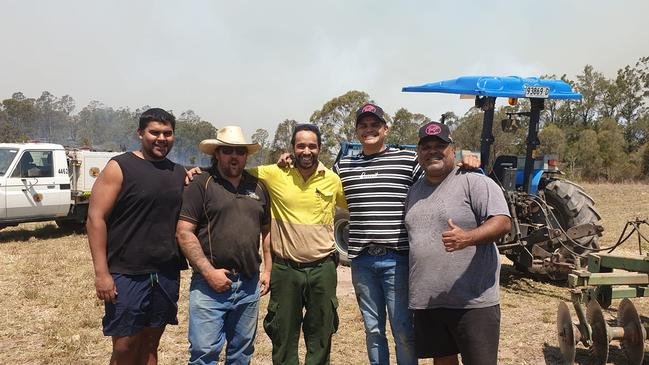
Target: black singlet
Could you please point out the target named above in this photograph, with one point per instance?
(141, 227)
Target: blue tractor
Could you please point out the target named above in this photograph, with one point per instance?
(555, 224)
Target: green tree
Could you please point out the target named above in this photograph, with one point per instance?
(261, 137)
(450, 119)
(281, 140)
(102, 127)
(587, 160)
(466, 135)
(632, 106)
(190, 131)
(336, 121)
(8, 133)
(405, 126)
(553, 141)
(549, 114)
(66, 105)
(566, 113)
(642, 69)
(20, 115)
(645, 160)
(615, 161)
(591, 85)
(45, 106)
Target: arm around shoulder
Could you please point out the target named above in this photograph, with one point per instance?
(261, 172)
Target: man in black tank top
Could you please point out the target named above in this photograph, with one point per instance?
(132, 217)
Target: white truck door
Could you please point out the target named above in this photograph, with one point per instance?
(7, 156)
(34, 187)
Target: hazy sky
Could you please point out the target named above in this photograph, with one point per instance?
(256, 63)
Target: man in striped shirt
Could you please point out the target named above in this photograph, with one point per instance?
(376, 183)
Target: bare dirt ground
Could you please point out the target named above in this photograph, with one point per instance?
(49, 313)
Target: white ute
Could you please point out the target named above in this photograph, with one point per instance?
(44, 181)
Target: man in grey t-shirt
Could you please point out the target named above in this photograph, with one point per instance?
(453, 218)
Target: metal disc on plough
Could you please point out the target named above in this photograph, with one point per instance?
(607, 277)
(632, 341)
(566, 334)
(600, 335)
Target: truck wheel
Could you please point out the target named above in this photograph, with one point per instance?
(341, 234)
(70, 225)
(571, 207)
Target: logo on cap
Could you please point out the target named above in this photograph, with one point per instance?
(368, 108)
(433, 130)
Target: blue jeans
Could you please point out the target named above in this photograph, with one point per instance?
(215, 318)
(380, 282)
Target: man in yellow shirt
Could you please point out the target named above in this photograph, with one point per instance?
(303, 203)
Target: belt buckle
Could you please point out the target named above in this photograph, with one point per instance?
(377, 250)
(233, 274)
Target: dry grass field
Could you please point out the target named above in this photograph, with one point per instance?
(49, 313)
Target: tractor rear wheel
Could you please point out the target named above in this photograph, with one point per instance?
(571, 206)
(341, 234)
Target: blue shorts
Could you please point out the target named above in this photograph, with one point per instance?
(148, 300)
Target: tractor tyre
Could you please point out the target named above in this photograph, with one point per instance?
(571, 207)
(341, 235)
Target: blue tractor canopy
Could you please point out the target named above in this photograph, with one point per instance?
(487, 89)
(500, 86)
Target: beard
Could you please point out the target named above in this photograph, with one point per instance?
(231, 170)
(301, 161)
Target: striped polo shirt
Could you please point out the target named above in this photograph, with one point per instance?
(302, 212)
(375, 188)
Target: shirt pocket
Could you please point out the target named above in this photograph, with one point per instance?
(325, 203)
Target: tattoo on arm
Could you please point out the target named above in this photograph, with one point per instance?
(193, 251)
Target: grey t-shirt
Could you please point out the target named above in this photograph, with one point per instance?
(466, 278)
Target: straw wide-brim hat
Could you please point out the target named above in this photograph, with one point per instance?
(227, 136)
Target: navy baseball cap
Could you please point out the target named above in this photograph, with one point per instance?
(370, 109)
(435, 129)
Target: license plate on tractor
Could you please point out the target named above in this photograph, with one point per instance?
(537, 92)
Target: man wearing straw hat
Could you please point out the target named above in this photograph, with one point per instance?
(223, 214)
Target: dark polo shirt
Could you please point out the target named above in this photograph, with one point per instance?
(228, 219)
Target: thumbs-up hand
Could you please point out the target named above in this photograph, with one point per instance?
(455, 238)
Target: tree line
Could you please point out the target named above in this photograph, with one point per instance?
(49, 118)
(603, 137)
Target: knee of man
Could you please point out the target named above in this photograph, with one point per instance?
(124, 346)
(149, 339)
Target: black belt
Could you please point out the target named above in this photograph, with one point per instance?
(300, 265)
(374, 250)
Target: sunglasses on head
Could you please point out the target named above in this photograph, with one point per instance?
(306, 127)
(227, 150)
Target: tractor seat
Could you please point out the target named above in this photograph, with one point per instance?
(502, 162)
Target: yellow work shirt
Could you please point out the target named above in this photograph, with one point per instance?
(302, 212)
